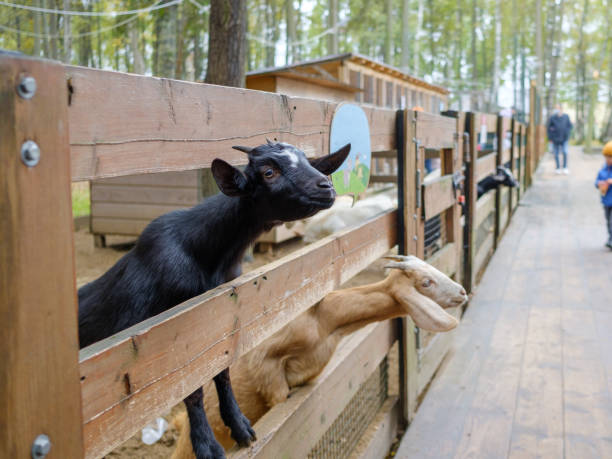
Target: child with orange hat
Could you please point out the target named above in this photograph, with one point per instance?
(604, 183)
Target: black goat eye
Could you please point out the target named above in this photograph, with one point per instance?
(269, 173)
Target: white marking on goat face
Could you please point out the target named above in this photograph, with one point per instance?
(293, 158)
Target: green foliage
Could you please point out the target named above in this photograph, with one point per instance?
(172, 41)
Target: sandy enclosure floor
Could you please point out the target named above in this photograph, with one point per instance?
(91, 262)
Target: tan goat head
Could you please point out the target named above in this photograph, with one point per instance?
(424, 292)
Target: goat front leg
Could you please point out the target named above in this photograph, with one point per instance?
(242, 432)
(203, 441)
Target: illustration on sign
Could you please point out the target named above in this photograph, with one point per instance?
(350, 125)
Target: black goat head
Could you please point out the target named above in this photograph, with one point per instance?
(283, 183)
(505, 177)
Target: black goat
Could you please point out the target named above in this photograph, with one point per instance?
(503, 176)
(187, 252)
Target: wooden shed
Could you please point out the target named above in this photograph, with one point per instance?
(351, 77)
(125, 205)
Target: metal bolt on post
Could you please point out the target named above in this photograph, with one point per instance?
(41, 447)
(30, 153)
(26, 87)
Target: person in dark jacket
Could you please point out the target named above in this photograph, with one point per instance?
(558, 129)
(604, 183)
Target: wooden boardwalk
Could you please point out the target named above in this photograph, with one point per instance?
(530, 371)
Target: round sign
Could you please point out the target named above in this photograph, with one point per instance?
(350, 125)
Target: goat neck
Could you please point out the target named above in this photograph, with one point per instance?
(231, 224)
(344, 311)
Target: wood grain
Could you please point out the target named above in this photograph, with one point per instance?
(143, 124)
(39, 379)
(438, 196)
(435, 131)
(168, 356)
(486, 166)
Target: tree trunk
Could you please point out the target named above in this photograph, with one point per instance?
(99, 43)
(581, 76)
(290, 18)
(167, 42)
(37, 30)
(539, 53)
(45, 19)
(227, 43)
(139, 65)
(432, 43)
(181, 22)
(52, 18)
(458, 54)
(388, 31)
(405, 62)
(515, 34)
(474, 99)
(67, 34)
(496, 57)
(198, 56)
(332, 22)
(417, 38)
(554, 67)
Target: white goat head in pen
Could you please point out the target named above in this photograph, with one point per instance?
(425, 292)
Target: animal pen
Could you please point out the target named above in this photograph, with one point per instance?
(90, 124)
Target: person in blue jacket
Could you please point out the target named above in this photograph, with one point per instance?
(558, 129)
(604, 183)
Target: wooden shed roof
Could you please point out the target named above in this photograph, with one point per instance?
(311, 71)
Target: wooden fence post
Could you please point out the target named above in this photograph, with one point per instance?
(470, 204)
(408, 218)
(39, 376)
(452, 161)
(499, 135)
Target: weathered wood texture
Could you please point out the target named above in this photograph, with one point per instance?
(291, 429)
(471, 195)
(485, 166)
(142, 124)
(528, 375)
(161, 365)
(39, 378)
(438, 196)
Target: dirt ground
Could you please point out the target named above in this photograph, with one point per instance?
(91, 262)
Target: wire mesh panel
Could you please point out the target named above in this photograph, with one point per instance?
(435, 234)
(343, 435)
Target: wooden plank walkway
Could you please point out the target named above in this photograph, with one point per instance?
(530, 371)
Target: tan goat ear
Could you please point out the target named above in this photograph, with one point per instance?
(426, 313)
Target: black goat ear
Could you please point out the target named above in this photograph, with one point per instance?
(230, 180)
(329, 164)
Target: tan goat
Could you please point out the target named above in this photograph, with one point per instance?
(297, 353)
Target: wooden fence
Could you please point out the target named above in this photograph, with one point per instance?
(91, 124)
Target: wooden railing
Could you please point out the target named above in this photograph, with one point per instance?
(92, 124)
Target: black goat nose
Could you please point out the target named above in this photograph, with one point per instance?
(324, 183)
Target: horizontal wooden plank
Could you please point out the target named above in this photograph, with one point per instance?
(438, 195)
(487, 119)
(130, 211)
(486, 166)
(484, 206)
(144, 194)
(168, 356)
(435, 131)
(483, 252)
(291, 429)
(165, 179)
(381, 433)
(123, 124)
(445, 259)
(388, 154)
(119, 226)
(383, 179)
